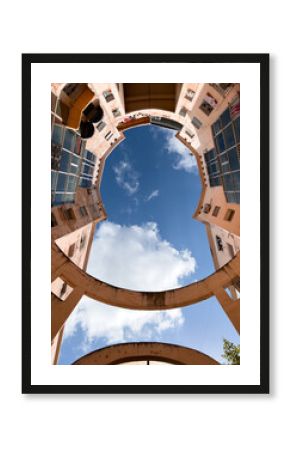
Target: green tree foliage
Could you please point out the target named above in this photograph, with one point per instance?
(231, 353)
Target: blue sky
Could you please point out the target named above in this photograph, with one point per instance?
(150, 190)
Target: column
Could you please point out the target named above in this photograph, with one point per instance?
(61, 310)
(230, 307)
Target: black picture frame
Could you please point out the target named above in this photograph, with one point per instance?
(263, 61)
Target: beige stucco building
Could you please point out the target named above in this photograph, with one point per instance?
(88, 121)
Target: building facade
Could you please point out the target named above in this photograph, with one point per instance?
(88, 121)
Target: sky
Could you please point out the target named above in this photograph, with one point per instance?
(150, 242)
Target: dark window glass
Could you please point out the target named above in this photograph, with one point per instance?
(229, 136)
(225, 117)
(214, 167)
(69, 140)
(72, 182)
(216, 127)
(220, 143)
(216, 181)
(196, 122)
(237, 195)
(65, 161)
(206, 108)
(237, 128)
(85, 183)
(225, 167)
(224, 157)
(58, 199)
(57, 134)
(68, 198)
(236, 178)
(233, 158)
(61, 182)
(228, 183)
(53, 180)
(230, 196)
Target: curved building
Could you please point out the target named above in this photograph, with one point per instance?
(88, 121)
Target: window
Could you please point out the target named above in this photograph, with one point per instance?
(189, 94)
(222, 88)
(63, 289)
(216, 211)
(231, 250)
(183, 112)
(69, 214)
(213, 168)
(219, 244)
(100, 126)
(82, 241)
(116, 112)
(196, 122)
(189, 133)
(226, 134)
(87, 169)
(208, 104)
(71, 250)
(108, 135)
(229, 214)
(83, 211)
(206, 208)
(108, 96)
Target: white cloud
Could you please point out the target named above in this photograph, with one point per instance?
(184, 159)
(127, 177)
(99, 321)
(136, 257)
(152, 195)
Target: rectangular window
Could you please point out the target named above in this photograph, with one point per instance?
(183, 112)
(208, 104)
(116, 112)
(82, 241)
(229, 214)
(56, 137)
(108, 135)
(189, 94)
(219, 244)
(189, 133)
(196, 122)
(229, 136)
(69, 140)
(220, 143)
(108, 96)
(71, 250)
(69, 214)
(206, 208)
(216, 211)
(83, 211)
(225, 117)
(100, 126)
(231, 250)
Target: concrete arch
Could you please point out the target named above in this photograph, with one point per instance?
(139, 351)
(85, 284)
